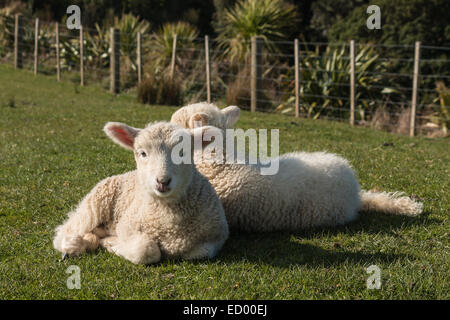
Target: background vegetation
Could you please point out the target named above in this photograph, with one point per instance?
(404, 21)
(384, 57)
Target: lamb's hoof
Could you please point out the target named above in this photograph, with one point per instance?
(91, 241)
(203, 251)
(146, 254)
(63, 256)
(108, 243)
(73, 245)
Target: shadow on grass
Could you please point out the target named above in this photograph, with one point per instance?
(290, 253)
(285, 248)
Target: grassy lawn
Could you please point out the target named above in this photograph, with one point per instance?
(53, 151)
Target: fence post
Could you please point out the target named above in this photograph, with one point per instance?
(352, 82)
(115, 60)
(58, 64)
(412, 123)
(256, 72)
(18, 36)
(297, 79)
(81, 56)
(208, 71)
(174, 49)
(36, 45)
(139, 57)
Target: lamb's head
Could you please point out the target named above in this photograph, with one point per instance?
(163, 154)
(205, 114)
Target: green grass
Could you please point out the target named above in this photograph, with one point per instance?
(53, 151)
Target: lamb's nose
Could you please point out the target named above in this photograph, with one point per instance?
(163, 184)
(163, 181)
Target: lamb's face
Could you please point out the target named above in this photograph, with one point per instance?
(158, 173)
(157, 170)
(205, 114)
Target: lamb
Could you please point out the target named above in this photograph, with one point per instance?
(159, 208)
(310, 189)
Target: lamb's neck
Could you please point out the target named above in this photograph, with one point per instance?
(193, 184)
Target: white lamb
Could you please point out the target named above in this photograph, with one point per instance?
(161, 207)
(310, 189)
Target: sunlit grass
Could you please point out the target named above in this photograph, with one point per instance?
(53, 151)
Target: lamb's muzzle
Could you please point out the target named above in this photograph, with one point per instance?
(162, 184)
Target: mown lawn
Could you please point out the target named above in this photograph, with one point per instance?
(53, 151)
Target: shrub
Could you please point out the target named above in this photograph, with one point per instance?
(403, 22)
(403, 121)
(7, 18)
(161, 90)
(441, 116)
(96, 44)
(238, 92)
(129, 27)
(269, 19)
(96, 49)
(381, 120)
(188, 68)
(325, 82)
(162, 42)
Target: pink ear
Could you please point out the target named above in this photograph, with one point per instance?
(121, 134)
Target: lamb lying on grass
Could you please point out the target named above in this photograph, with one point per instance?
(161, 207)
(310, 189)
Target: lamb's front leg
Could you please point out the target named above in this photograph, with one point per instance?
(137, 248)
(76, 234)
(207, 250)
(109, 242)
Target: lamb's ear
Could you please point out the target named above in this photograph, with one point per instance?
(232, 115)
(121, 134)
(206, 135)
(199, 119)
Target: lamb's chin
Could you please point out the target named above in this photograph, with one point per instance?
(164, 195)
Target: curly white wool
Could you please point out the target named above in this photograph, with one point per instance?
(158, 208)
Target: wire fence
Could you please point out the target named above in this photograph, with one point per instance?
(403, 87)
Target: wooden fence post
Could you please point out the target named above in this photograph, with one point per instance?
(81, 57)
(208, 71)
(256, 72)
(58, 64)
(139, 57)
(412, 123)
(115, 60)
(352, 82)
(174, 50)
(18, 45)
(297, 79)
(36, 45)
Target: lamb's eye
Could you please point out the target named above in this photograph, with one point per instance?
(142, 154)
